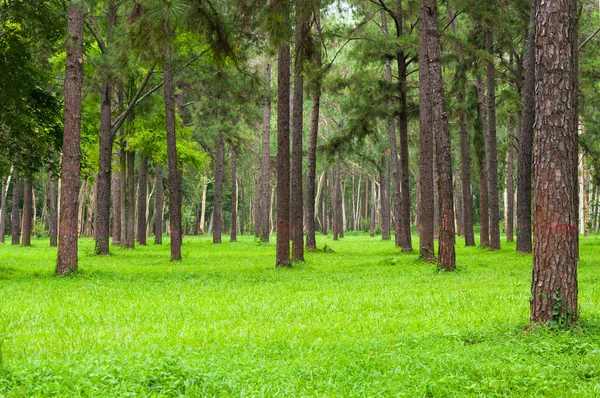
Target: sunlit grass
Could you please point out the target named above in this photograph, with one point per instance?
(366, 320)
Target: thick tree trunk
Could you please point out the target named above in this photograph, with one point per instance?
(283, 148)
(130, 199)
(510, 195)
(142, 197)
(175, 217)
(265, 216)
(234, 195)
(425, 205)
(526, 142)
(554, 282)
(430, 39)
(484, 220)
(158, 206)
(27, 213)
(297, 197)
(218, 202)
(67, 230)
(466, 179)
(492, 152)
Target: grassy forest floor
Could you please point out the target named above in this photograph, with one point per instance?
(363, 321)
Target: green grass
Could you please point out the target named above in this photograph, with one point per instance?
(363, 321)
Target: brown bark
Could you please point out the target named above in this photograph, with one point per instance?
(384, 186)
(458, 208)
(334, 204)
(265, 194)
(15, 215)
(554, 281)
(4, 193)
(526, 143)
(466, 179)
(218, 198)
(103, 182)
(297, 197)
(158, 206)
(373, 207)
(339, 200)
(27, 213)
(67, 230)
(283, 147)
(116, 203)
(430, 39)
(53, 218)
(325, 225)
(484, 220)
(123, 195)
(130, 199)
(510, 192)
(492, 152)
(175, 217)
(234, 194)
(426, 206)
(142, 198)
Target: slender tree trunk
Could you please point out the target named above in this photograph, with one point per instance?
(242, 190)
(218, 202)
(103, 183)
(339, 198)
(460, 226)
(526, 142)
(283, 145)
(333, 192)
(116, 204)
(466, 178)
(430, 39)
(158, 206)
(297, 207)
(15, 216)
(5, 185)
(492, 152)
(484, 220)
(325, 226)
(384, 176)
(554, 282)
(234, 194)
(510, 200)
(123, 196)
(67, 230)
(264, 228)
(373, 207)
(426, 205)
(175, 217)
(142, 197)
(130, 199)
(203, 208)
(27, 212)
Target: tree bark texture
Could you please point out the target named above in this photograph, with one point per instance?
(130, 199)
(554, 281)
(525, 157)
(53, 219)
(510, 186)
(234, 194)
(218, 198)
(67, 229)
(15, 215)
(158, 206)
(466, 180)
(103, 182)
(4, 193)
(265, 202)
(492, 151)
(123, 196)
(142, 198)
(384, 177)
(430, 38)
(116, 203)
(484, 218)
(27, 213)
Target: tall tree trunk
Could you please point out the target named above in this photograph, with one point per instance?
(430, 39)
(67, 230)
(158, 206)
(297, 207)
(130, 199)
(5, 185)
(27, 212)
(218, 202)
(203, 208)
(339, 198)
(436, 194)
(53, 219)
(242, 190)
(526, 142)
(492, 152)
(393, 144)
(116, 203)
(384, 176)
(373, 208)
(283, 144)
(175, 216)
(265, 201)
(234, 194)
(333, 192)
(510, 200)
(142, 197)
(466, 177)
(458, 208)
(15, 215)
(325, 225)
(484, 218)
(554, 282)
(123, 196)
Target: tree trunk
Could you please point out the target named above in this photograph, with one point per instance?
(333, 191)
(339, 199)
(116, 203)
(67, 230)
(425, 205)
(123, 196)
(27, 212)
(325, 226)
(158, 206)
(218, 203)
(242, 191)
(234, 194)
(203, 208)
(554, 282)
(484, 220)
(510, 200)
(175, 217)
(264, 228)
(492, 152)
(297, 197)
(373, 207)
(142, 197)
(283, 146)
(384, 186)
(466, 178)
(103, 182)
(5, 185)
(460, 226)
(130, 199)
(430, 39)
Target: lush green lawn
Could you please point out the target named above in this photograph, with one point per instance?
(363, 321)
